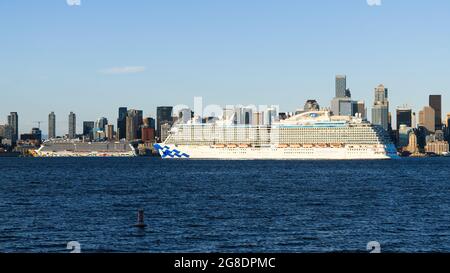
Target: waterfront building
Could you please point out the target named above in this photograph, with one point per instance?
(110, 132)
(52, 125)
(134, 123)
(404, 117)
(13, 121)
(436, 104)
(163, 115)
(380, 110)
(437, 147)
(88, 129)
(427, 119)
(72, 126)
(148, 135)
(413, 146)
(6, 132)
(439, 135)
(403, 136)
(122, 123)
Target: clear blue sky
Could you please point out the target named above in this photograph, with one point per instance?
(56, 57)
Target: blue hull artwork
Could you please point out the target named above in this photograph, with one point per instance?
(166, 152)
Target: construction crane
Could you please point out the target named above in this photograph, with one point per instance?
(39, 123)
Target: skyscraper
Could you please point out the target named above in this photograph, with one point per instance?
(101, 124)
(342, 104)
(51, 125)
(122, 123)
(72, 126)
(404, 117)
(341, 86)
(361, 109)
(436, 104)
(149, 122)
(134, 121)
(110, 132)
(427, 119)
(88, 129)
(380, 110)
(13, 121)
(163, 116)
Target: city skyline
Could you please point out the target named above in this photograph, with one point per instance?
(60, 58)
(65, 123)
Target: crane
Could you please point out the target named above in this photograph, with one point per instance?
(39, 123)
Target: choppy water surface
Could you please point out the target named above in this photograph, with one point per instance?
(224, 206)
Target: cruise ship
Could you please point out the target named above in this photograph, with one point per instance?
(70, 148)
(310, 136)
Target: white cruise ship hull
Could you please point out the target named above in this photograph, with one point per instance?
(275, 153)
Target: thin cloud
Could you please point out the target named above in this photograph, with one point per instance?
(123, 70)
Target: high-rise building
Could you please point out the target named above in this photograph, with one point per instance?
(13, 121)
(149, 123)
(110, 132)
(436, 104)
(6, 132)
(360, 108)
(403, 136)
(51, 125)
(341, 86)
(404, 117)
(380, 110)
(163, 115)
(72, 125)
(427, 119)
(88, 129)
(122, 123)
(413, 146)
(101, 124)
(134, 122)
(342, 104)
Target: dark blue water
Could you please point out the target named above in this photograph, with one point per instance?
(224, 206)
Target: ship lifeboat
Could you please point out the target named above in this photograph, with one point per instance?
(219, 146)
(296, 146)
(336, 145)
(232, 146)
(282, 146)
(308, 146)
(243, 145)
(322, 145)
